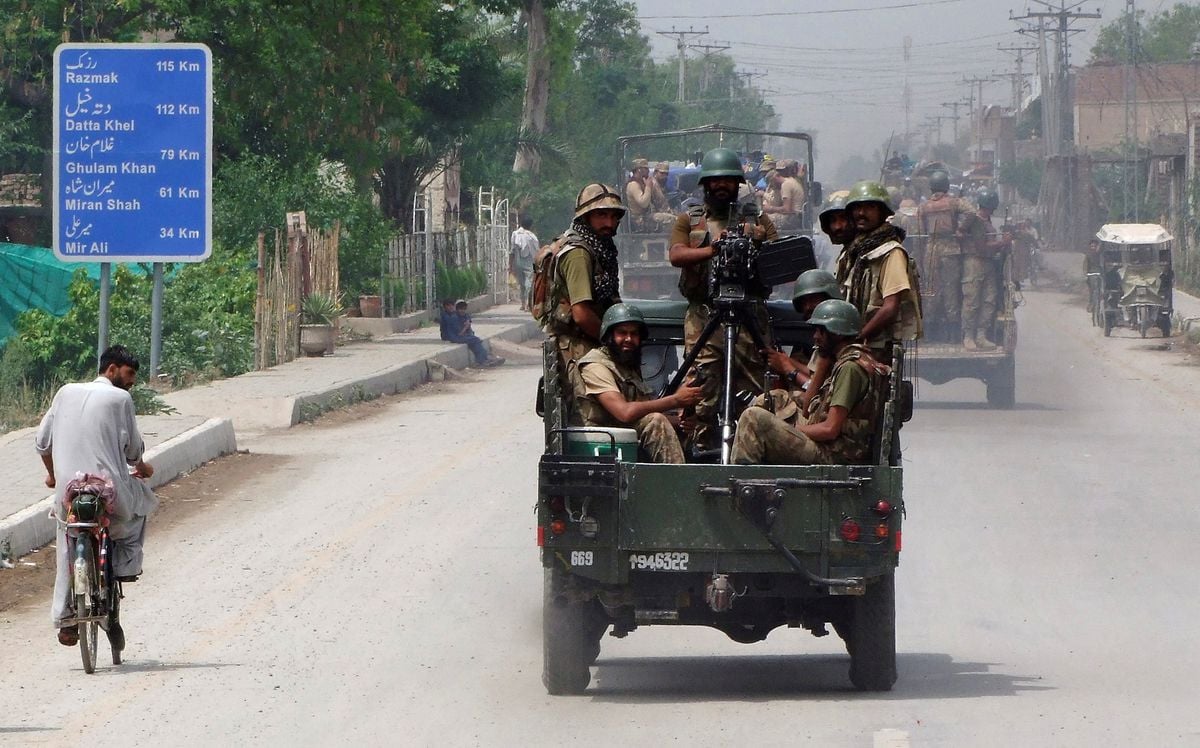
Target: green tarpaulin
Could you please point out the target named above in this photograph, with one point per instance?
(33, 278)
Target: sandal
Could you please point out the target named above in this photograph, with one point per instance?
(68, 636)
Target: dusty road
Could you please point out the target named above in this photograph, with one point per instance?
(374, 581)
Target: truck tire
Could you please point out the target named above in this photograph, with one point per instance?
(872, 641)
(568, 646)
(1002, 385)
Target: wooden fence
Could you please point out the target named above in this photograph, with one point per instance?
(299, 263)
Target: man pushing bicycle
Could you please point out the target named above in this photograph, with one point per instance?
(91, 428)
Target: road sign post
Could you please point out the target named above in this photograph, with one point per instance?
(133, 154)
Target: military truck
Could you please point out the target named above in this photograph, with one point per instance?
(743, 549)
(645, 271)
(938, 362)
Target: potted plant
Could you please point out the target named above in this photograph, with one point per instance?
(317, 314)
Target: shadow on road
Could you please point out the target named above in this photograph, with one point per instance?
(156, 666)
(952, 405)
(14, 730)
(922, 676)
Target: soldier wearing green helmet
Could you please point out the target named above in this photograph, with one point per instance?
(614, 394)
(942, 219)
(879, 279)
(840, 426)
(983, 251)
(812, 288)
(692, 239)
(878, 276)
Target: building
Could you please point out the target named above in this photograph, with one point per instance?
(1166, 96)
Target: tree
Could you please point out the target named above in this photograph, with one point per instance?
(1167, 36)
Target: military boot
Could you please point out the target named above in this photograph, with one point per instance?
(968, 343)
(983, 344)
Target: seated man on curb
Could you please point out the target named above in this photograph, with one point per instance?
(457, 329)
(842, 419)
(615, 395)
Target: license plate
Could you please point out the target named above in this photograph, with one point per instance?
(665, 561)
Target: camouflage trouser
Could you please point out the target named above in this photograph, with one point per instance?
(657, 438)
(748, 366)
(571, 348)
(764, 438)
(943, 308)
(980, 286)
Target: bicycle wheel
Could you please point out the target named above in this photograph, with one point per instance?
(85, 604)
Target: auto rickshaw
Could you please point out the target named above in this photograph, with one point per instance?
(1131, 284)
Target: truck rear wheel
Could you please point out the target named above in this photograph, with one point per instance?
(569, 645)
(872, 640)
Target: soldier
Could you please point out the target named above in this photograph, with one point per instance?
(983, 249)
(841, 425)
(839, 227)
(692, 250)
(584, 279)
(812, 287)
(880, 284)
(648, 206)
(784, 199)
(941, 218)
(614, 393)
(878, 278)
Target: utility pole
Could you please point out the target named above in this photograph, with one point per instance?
(682, 45)
(1130, 72)
(1018, 78)
(707, 50)
(977, 113)
(1062, 15)
(749, 81)
(954, 118)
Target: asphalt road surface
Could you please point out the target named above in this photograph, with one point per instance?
(373, 580)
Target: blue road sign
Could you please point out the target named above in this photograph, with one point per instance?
(132, 152)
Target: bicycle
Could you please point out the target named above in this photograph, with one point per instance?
(94, 587)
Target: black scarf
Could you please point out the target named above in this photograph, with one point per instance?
(605, 269)
(864, 243)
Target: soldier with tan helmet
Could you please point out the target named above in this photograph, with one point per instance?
(584, 279)
(692, 239)
(649, 209)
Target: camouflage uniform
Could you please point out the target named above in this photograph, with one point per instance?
(981, 279)
(600, 373)
(698, 228)
(939, 219)
(576, 260)
(877, 261)
(764, 437)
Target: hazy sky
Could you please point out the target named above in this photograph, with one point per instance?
(837, 67)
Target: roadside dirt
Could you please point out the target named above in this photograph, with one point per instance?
(31, 580)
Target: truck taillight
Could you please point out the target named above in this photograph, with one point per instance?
(558, 504)
(849, 530)
(558, 526)
(881, 531)
(541, 536)
(897, 536)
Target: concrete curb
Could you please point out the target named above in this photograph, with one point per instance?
(31, 527)
(307, 406)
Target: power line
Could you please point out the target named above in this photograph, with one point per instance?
(775, 14)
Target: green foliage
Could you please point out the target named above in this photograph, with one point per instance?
(252, 194)
(319, 309)
(1166, 36)
(1026, 176)
(457, 283)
